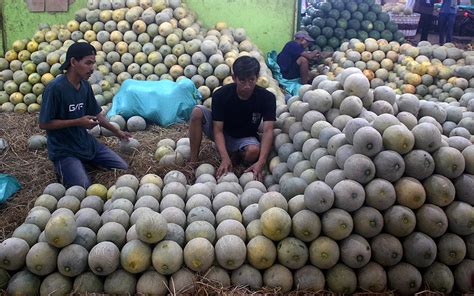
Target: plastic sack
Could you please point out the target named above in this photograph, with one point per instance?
(8, 186)
(291, 86)
(162, 102)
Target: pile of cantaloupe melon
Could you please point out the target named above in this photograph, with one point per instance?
(390, 178)
(355, 198)
(432, 72)
(139, 39)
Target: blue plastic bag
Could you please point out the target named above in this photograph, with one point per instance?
(291, 86)
(162, 102)
(8, 186)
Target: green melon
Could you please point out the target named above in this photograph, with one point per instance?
(167, 257)
(24, 283)
(41, 259)
(151, 227)
(276, 223)
(135, 256)
(72, 260)
(341, 279)
(387, 250)
(439, 278)
(372, 277)
(151, 282)
(230, 251)
(27, 232)
(120, 282)
(13, 253)
(278, 276)
(247, 275)
(182, 281)
(56, 284)
(88, 282)
(198, 254)
(404, 278)
(104, 258)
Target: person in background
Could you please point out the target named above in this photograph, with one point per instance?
(69, 108)
(425, 9)
(237, 110)
(446, 19)
(294, 59)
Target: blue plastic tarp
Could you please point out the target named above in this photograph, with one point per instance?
(8, 186)
(291, 86)
(162, 102)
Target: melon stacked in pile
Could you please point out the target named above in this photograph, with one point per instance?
(333, 22)
(432, 72)
(390, 178)
(367, 190)
(144, 40)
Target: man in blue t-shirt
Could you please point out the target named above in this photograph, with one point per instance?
(294, 58)
(68, 109)
(237, 110)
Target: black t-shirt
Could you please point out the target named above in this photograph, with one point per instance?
(242, 117)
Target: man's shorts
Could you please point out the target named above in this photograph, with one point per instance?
(232, 144)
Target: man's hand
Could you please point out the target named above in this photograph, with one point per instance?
(256, 169)
(88, 121)
(124, 136)
(224, 168)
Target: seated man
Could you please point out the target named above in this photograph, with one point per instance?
(237, 111)
(69, 108)
(294, 59)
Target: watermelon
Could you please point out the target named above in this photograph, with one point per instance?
(353, 24)
(327, 31)
(387, 35)
(379, 25)
(330, 22)
(339, 33)
(342, 23)
(334, 42)
(334, 14)
(346, 14)
(362, 35)
(313, 31)
(328, 48)
(325, 6)
(338, 5)
(384, 17)
(306, 20)
(399, 36)
(374, 34)
(358, 16)
(376, 8)
(367, 26)
(391, 26)
(363, 7)
(321, 40)
(318, 21)
(351, 6)
(351, 33)
(370, 16)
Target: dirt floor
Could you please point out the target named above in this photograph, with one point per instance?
(34, 170)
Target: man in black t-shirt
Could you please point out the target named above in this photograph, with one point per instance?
(237, 110)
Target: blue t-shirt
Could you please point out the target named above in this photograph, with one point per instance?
(61, 100)
(287, 60)
(448, 7)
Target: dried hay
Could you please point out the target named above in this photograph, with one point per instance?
(34, 170)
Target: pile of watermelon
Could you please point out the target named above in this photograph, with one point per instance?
(332, 22)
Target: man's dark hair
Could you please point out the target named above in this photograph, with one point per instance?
(245, 67)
